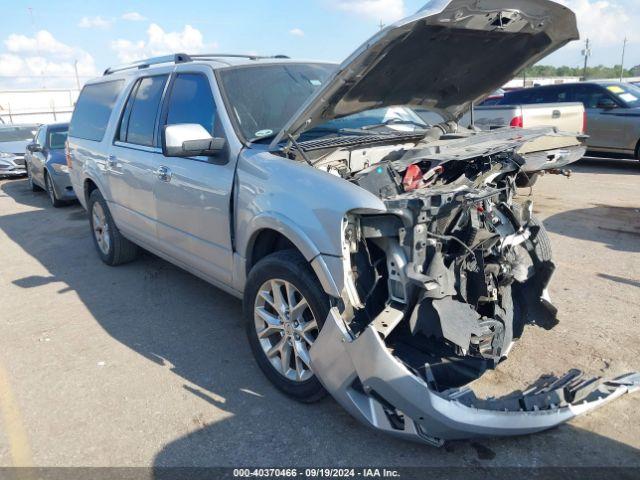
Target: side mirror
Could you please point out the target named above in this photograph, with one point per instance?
(606, 104)
(34, 147)
(189, 140)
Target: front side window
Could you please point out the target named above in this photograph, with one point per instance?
(57, 138)
(93, 109)
(41, 137)
(625, 93)
(589, 95)
(191, 101)
(138, 125)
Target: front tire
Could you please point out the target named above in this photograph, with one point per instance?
(284, 309)
(112, 247)
(32, 186)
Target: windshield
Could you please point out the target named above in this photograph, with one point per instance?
(627, 93)
(397, 118)
(17, 134)
(263, 98)
(57, 137)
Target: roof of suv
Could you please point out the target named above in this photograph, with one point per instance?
(215, 60)
(603, 83)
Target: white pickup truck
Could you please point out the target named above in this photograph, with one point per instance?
(566, 117)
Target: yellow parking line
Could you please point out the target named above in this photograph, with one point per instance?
(13, 426)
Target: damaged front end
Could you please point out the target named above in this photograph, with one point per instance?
(439, 289)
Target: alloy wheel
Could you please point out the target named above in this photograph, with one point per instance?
(50, 190)
(29, 177)
(101, 228)
(286, 328)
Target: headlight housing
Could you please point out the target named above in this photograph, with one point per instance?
(6, 155)
(60, 168)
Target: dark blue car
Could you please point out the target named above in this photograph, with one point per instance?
(46, 164)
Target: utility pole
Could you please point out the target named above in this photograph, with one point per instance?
(380, 25)
(624, 46)
(586, 52)
(35, 37)
(75, 67)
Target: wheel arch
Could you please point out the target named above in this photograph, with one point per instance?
(273, 233)
(88, 186)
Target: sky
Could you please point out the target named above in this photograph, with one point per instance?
(41, 40)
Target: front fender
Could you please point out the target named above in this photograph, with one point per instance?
(304, 204)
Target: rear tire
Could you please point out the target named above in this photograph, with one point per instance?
(51, 191)
(113, 248)
(280, 345)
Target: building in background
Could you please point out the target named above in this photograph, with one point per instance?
(37, 106)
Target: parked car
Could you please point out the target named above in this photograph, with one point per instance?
(389, 268)
(13, 142)
(493, 98)
(613, 112)
(46, 164)
(567, 117)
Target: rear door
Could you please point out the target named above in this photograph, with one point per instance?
(134, 160)
(193, 199)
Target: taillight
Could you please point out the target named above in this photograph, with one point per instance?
(584, 122)
(517, 122)
(67, 154)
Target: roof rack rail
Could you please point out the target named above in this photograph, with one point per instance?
(234, 55)
(181, 58)
(175, 58)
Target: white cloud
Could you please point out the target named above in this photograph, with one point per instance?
(133, 17)
(159, 42)
(43, 60)
(604, 22)
(383, 10)
(94, 22)
(42, 43)
(297, 32)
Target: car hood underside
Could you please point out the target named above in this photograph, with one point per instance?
(448, 55)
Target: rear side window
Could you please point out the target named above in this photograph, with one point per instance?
(94, 107)
(57, 138)
(530, 95)
(191, 101)
(138, 124)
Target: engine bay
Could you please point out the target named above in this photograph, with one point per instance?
(456, 268)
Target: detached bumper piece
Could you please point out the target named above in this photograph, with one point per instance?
(379, 390)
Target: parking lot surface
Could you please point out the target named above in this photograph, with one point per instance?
(146, 365)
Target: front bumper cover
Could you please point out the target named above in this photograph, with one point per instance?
(380, 391)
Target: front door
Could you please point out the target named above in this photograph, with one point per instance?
(602, 132)
(134, 159)
(38, 160)
(193, 198)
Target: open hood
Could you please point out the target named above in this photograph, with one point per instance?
(447, 55)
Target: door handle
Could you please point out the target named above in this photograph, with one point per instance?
(164, 174)
(112, 161)
(556, 114)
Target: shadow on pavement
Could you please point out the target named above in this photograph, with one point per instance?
(603, 165)
(176, 320)
(617, 227)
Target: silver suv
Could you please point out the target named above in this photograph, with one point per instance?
(380, 258)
